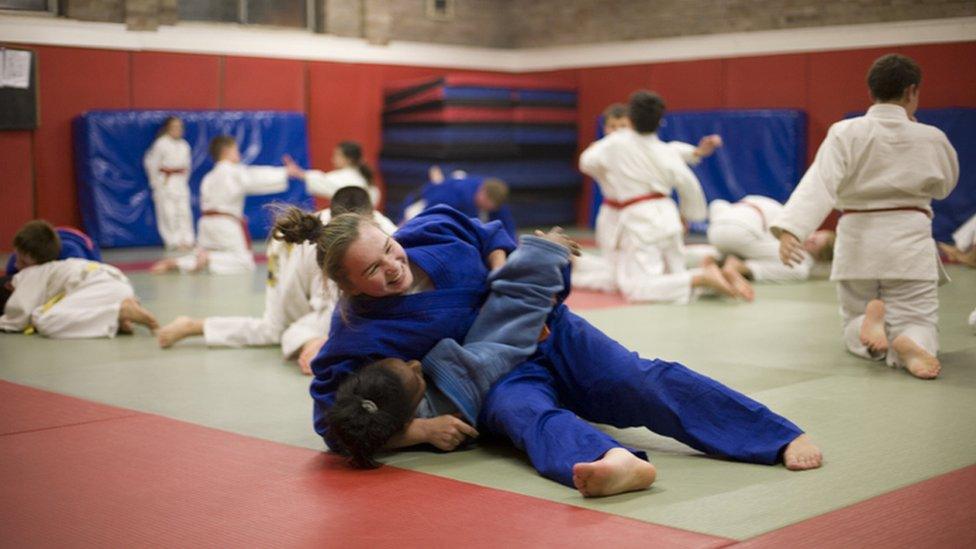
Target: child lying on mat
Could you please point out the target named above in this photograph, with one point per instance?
(375, 404)
(72, 298)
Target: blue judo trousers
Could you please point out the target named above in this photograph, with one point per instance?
(577, 374)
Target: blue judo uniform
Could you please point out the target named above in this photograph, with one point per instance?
(458, 193)
(577, 374)
(74, 243)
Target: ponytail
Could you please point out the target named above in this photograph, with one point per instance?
(354, 153)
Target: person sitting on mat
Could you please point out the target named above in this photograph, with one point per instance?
(472, 195)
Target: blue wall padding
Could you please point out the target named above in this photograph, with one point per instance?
(528, 173)
(959, 126)
(763, 152)
(113, 191)
(477, 94)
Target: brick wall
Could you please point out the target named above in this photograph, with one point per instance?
(565, 22)
(531, 23)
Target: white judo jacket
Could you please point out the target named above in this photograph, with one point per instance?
(628, 165)
(168, 165)
(325, 184)
(877, 161)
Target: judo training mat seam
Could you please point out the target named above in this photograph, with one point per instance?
(880, 429)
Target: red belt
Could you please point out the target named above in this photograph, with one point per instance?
(241, 220)
(621, 205)
(759, 211)
(898, 209)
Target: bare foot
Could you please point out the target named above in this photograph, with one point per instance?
(708, 260)
(618, 471)
(181, 327)
(873, 328)
(732, 270)
(163, 266)
(712, 277)
(132, 311)
(802, 454)
(917, 360)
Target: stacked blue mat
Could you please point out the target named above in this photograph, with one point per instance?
(113, 190)
(522, 130)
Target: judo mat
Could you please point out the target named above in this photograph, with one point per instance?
(113, 191)
(899, 451)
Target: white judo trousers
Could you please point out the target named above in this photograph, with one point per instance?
(298, 301)
(641, 242)
(911, 308)
(220, 230)
(168, 164)
(67, 299)
(882, 170)
(740, 229)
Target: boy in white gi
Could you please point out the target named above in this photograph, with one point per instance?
(739, 231)
(168, 166)
(615, 118)
(639, 228)
(72, 298)
(224, 243)
(298, 302)
(882, 170)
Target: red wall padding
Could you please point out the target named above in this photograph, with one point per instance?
(254, 83)
(71, 81)
(344, 101)
(16, 185)
(175, 81)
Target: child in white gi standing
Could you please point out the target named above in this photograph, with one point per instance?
(298, 301)
(639, 227)
(882, 170)
(224, 243)
(168, 164)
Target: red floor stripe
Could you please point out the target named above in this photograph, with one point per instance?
(580, 300)
(145, 480)
(938, 513)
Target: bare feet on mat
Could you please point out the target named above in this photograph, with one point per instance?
(873, 327)
(618, 471)
(132, 311)
(802, 454)
(732, 270)
(712, 277)
(181, 327)
(163, 266)
(917, 360)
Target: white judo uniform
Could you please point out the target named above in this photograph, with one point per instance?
(638, 227)
(965, 236)
(221, 230)
(69, 298)
(742, 229)
(298, 301)
(325, 184)
(168, 166)
(888, 169)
